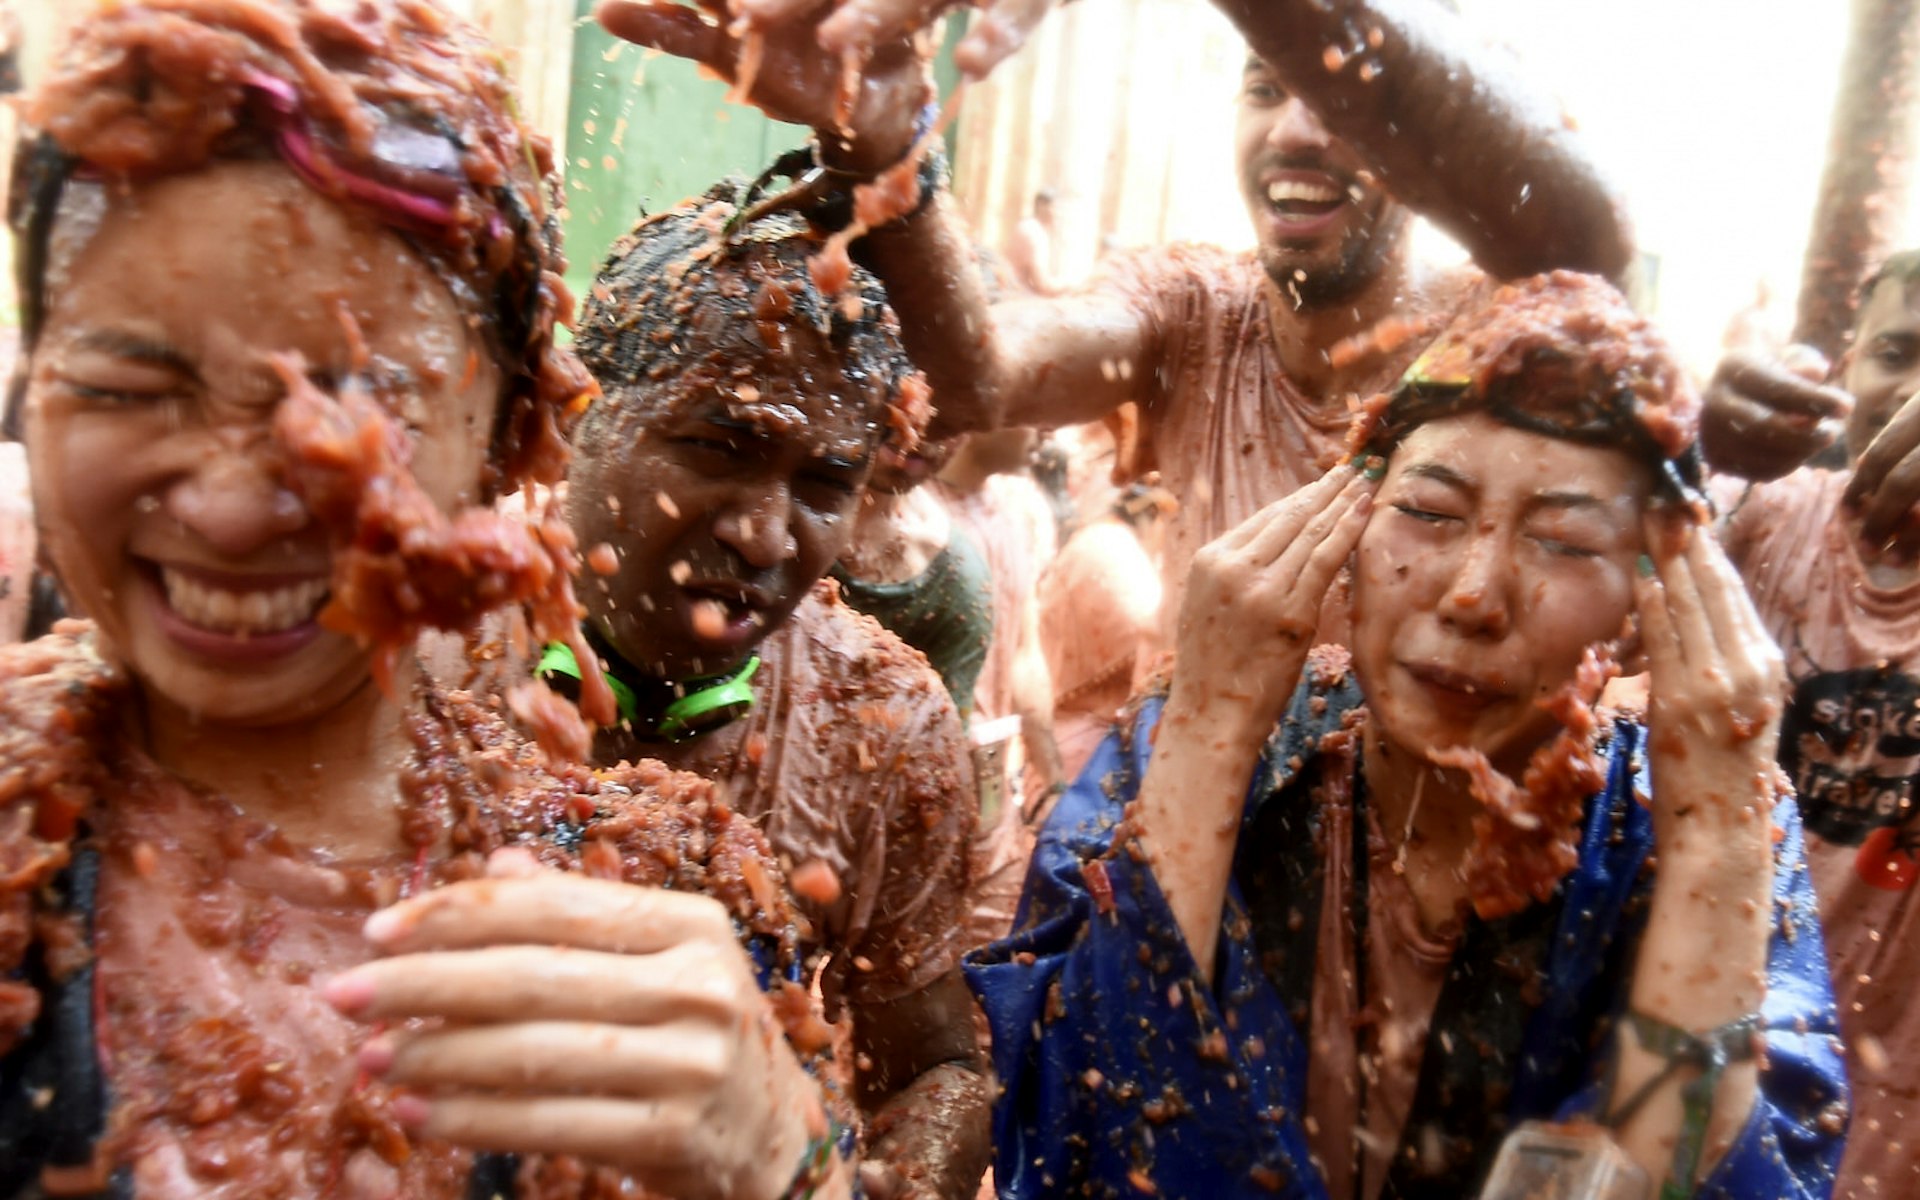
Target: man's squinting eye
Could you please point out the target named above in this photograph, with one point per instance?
(1263, 91)
(707, 444)
(1896, 353)
(834, 481)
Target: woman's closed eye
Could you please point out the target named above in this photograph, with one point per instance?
(119, 366)
(1563, 548)
(1425, 515)
(1572, 535)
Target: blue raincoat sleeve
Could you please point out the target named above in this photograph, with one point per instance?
(1792, 1142)
(1124, 1074)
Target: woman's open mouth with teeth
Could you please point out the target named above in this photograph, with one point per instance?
(246, 611)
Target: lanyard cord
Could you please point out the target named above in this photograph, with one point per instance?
(1710, 1053)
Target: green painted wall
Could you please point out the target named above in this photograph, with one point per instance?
(645, 131)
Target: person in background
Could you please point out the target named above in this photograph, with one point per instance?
(1832, 558)
(1049, 468)
(911, 568)
(19, 543)
(1095, 474)
(988, 490)
(1029, 252)
(1099, 605)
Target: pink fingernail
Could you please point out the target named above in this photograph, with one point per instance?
(411, 1110)
(350, 993)
(382, 926)
(1364, 504)
(513, 862)
(376, 1056)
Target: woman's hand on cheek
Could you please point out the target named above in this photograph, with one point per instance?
(1701, 964)
(561, 1014)
(1717, 688)
(1253, 601)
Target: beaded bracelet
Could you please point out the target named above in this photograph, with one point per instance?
(816, 1162)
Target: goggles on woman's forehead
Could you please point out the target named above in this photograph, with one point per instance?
(1542, 397)
(414, 175)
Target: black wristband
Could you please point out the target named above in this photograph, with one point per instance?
(825, 196)
(832, 210)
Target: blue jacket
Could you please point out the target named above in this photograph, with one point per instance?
(1125, 1074)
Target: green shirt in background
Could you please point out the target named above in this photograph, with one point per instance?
(945, 612)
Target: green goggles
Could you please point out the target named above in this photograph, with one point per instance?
(702, 704)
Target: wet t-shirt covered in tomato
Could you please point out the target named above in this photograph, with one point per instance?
(853, 756)
(1850, 741)
(212, 939)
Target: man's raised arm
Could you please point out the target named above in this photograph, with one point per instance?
(1454, 133)
(1031, 361)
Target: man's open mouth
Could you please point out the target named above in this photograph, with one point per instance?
(724, 612)
(1304, 200)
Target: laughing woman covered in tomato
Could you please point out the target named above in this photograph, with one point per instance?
(1298, 931)
(280, 917)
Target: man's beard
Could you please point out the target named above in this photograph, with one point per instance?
(1364, 254)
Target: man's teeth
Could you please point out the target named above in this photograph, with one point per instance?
(255, 611)
(1281, 191)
